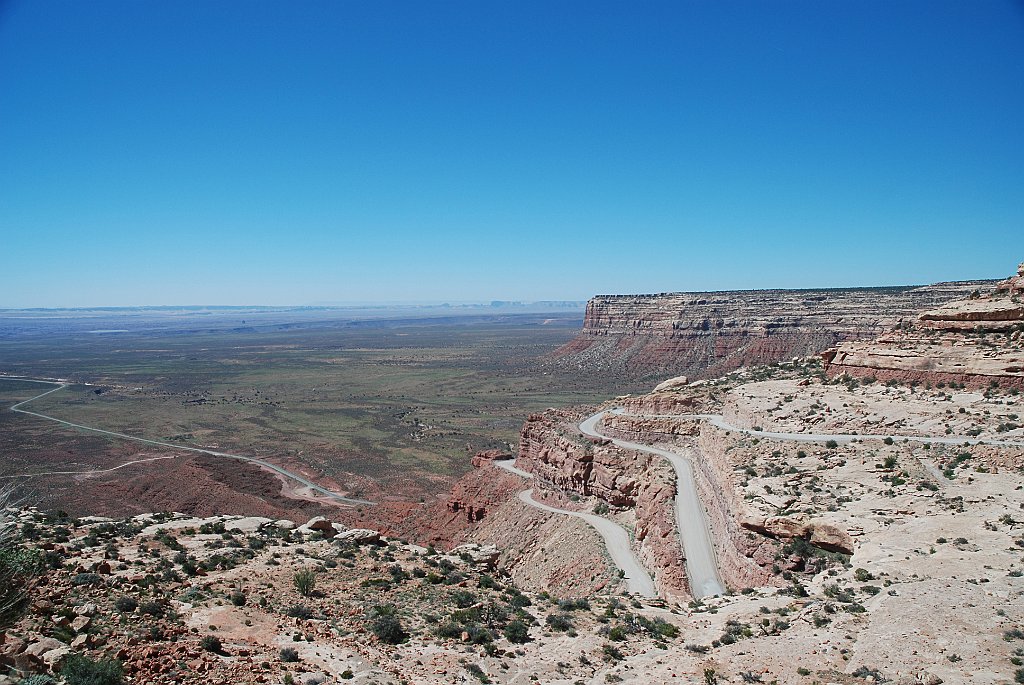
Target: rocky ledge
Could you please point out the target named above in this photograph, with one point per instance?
(707, 334)
(975, 341)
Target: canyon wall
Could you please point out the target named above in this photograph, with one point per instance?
(704, 335)
(562, 458)
(744, 557)
(976, 341)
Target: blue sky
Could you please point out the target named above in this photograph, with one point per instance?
(288, 153)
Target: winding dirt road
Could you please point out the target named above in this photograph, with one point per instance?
(719, 421)
(691, 519)
(227, 455)
(615, 537)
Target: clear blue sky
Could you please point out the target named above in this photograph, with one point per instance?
(296, 152)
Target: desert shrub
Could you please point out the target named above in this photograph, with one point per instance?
(211, 643)
(18, 568)
(450, 630)
(831, 444)
(289, 654)
(87, 579)
(237, 598)
(38, 679)
(463, 598)
(299, 611)
(305, 581)
(559, 623)
(574, 604)
(517, 631)
(519, 600)
(81, 670)
(126, 604)
(388, 628)
(612, 653)
(152, 608)
(477, 673)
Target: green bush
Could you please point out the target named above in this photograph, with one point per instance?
(388, 629)
(463, 598)
(299, 611)
(126, 605)
(305, 581)
(211, 643)
(18, 569)
(37, 680)
(559, 623)
(81, 670)
(517, 631)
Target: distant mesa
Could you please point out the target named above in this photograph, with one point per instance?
(975, 341)
(708, 334)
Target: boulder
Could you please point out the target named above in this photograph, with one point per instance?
(284, 524)
(12, 645)
(318, 524)
(358, 536)
(55, 658)
(489, 456)
(672, 384)
(830, 537)
(42, 646)
(248, 524)
(87, 609)
(485, 556)
(80, 623)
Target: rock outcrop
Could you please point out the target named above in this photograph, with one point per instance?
(975, 341)
(557, 454)
(704, 335)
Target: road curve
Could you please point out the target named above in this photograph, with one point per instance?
(691, 520)
(616, 539)
(252, 460)
(719, 421)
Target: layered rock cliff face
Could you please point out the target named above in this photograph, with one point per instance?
(744, 557)
(559, 456)
(976, 341)
(707, 334)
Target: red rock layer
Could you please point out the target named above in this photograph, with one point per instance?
(976, 341)
(707, 334)
(555, 452)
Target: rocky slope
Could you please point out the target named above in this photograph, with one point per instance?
(975, 341)
(706, 334)
(850, 561)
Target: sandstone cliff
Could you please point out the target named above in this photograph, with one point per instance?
(560, 457)
(707, 334)
(975, 341)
